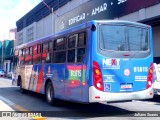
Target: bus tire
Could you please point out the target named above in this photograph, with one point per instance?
(49, 93)
(23, 91)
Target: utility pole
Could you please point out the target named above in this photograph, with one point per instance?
(51, 13)
(52, 20)
(3, 51)
(1, 55)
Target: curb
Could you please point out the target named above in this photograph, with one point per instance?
(5, 107)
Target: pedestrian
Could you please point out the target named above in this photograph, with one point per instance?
(13, 78)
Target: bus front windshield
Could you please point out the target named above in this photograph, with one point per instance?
(124, 38)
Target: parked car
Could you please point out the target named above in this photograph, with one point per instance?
(2, 73)
(9, 75)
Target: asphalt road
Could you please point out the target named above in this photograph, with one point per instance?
(36, 103)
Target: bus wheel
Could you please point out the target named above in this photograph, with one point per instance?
(50, 94)
(21, 89)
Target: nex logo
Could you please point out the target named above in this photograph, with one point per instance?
(114, 62)
(111, 62)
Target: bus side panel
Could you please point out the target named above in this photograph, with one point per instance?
(55, 73)
(92, 52)
(28, 76)
(87, 66)
(33, 78)
(69, 81)
(75, 80)
(22, 75)
(88, 63)
(36, 80)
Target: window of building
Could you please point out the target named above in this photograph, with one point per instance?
(20, 38)
(59, 54)
(30, 34)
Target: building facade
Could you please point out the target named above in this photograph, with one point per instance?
(12, 34)
(6, 55)
(59, 15)
(6, 51)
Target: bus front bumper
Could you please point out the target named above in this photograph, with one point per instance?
(100, 96)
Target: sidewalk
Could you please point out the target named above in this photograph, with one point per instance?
(5, 107)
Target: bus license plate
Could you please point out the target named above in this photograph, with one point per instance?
(126, 86)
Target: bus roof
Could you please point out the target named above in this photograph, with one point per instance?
(76, 28)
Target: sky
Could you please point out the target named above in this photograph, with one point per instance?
(11, 11)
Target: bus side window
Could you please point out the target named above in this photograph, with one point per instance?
(46, 52)
(15, 59)
(71, 55)
(76, 47)
(81, 46)
(20, 52)
(21, 56)
(28, 56)
(80, 55)
(72, 44)
(15, 63)
(59, 54)
(82, 39)
(36, 54)
(30, 52)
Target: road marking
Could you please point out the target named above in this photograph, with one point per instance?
(20, 108)
(6, 101)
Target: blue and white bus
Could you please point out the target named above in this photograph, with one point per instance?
(97, 61)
